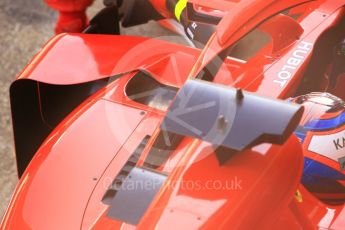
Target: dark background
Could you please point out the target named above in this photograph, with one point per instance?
(24, 27)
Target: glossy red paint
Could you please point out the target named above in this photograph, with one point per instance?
(266, 66)
(244, 207)
(75, 132)
(65, 182)
(93, 57)
(72, 14)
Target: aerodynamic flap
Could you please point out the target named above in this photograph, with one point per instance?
(228, 117)
(135, 195)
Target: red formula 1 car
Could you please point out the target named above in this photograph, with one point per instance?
(121, 132)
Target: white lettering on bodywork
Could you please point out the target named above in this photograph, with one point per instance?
(298, 56)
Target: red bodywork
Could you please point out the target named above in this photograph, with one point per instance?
(63, 186)
(72, 14)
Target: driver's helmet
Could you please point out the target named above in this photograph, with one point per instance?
(322, 133)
